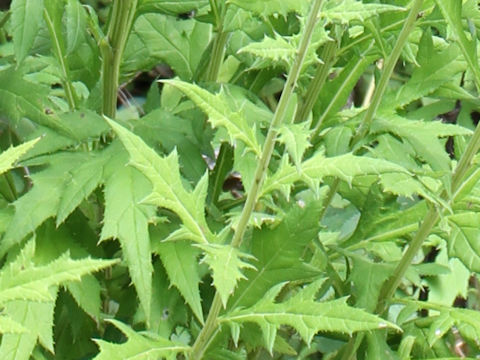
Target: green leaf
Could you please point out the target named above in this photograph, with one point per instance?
(168, 190)
(22, 280)
(269, 7)
(220, 114)
(313, 170)
(127, 220)
(452, 12)
(463, 241)
(21, 98)
(226, 263)
(27, 17)
(180, 261)
(279, 251)
(8, 325)
(11, 155)
(368, 278)
(75, 24)
(138, 347)
(435, 69)
(296, 140)
(42, 201)
(351, 10)
(170, 7)
(337, 91)
(37, 317)
(159, 38)
(81, 181)
(304, 314)
(423, 137)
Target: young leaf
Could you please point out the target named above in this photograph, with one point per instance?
(350, 10)
(27, 16)
(220, 114)
(226, 263)
(168, 190)
(147, 347)
(37, 317)
(304, 314)
(8, 325)
(11, 155)
(296, 139)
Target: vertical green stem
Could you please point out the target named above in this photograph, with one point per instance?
(387, 72)
(121, 21)
(62, 60)
(313, 91)
(218, 53)
(219, 43)
(208, 330)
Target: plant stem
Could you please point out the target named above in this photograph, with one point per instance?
(428, 223)
(219, 43)
(218, 53)
(313, 91)
(200, 345)
(387, 72)
(62, 60)
(121, 21)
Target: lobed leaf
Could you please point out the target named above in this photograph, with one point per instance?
(304, 314)
(127, 220)
(138, 346)
(226, 263)
(168, 190)
(11, 155)
(346, 11)
(220, 114)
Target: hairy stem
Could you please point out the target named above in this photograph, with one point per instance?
(210, 327)
(58, 49)
(313, 91)
(121, 21)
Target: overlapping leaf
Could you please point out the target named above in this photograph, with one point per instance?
(269, 7)
(464, 239)
(22, 280)
(304, 314)
(227, 264)
(11, 155)
(220, 114)
(278, 252)
(346, 11)
(127, 220)
(146, 346)
(168, 189)
(159, 38)
(313, 170)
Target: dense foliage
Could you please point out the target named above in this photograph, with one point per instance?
(241, 179)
